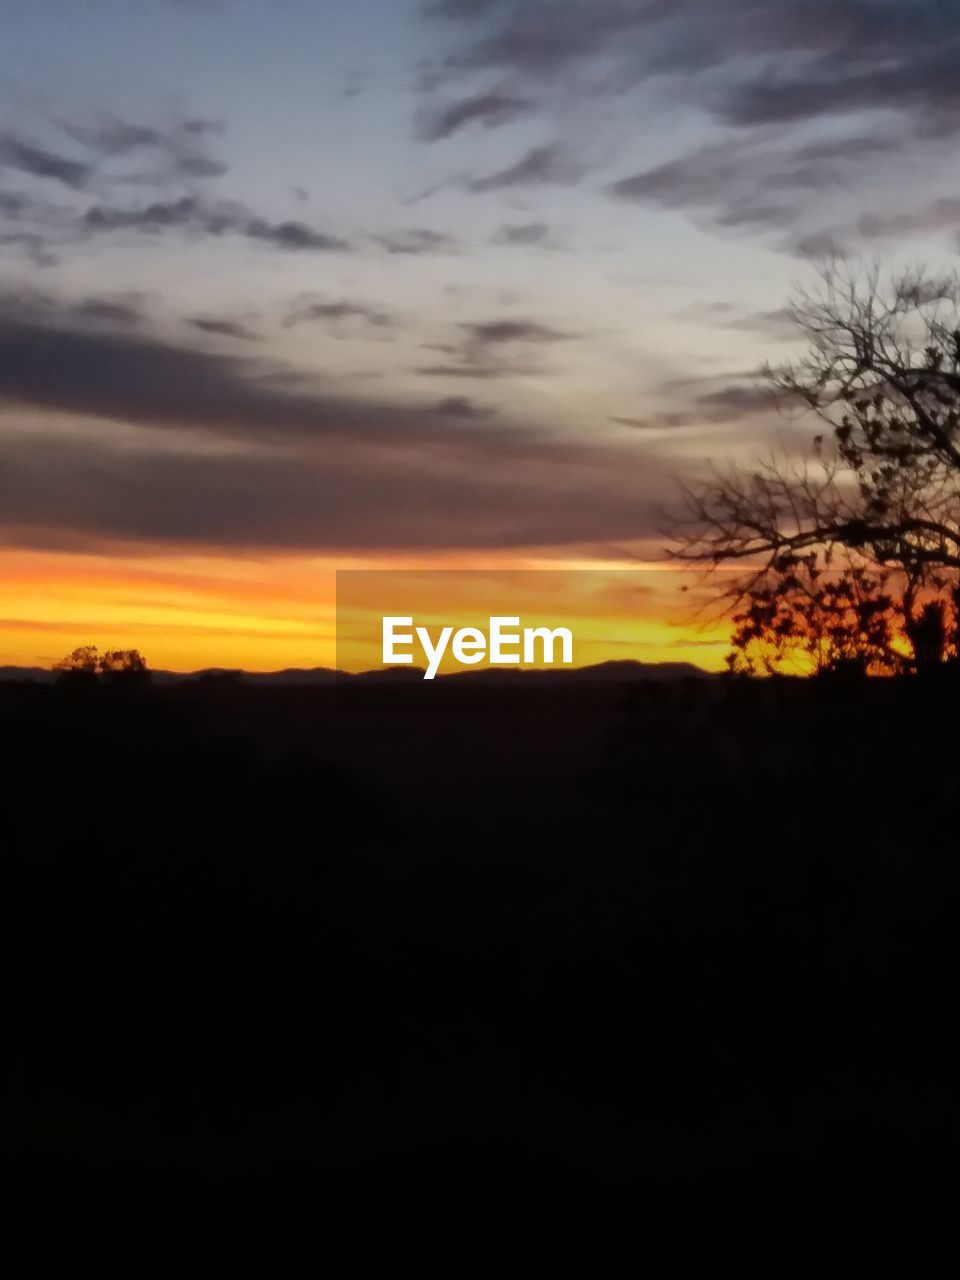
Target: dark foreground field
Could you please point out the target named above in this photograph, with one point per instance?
(484, 979)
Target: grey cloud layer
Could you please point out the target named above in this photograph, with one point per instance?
(173, 158)
(540, 166)
(774, 70)
(761, 183)
(192, 214)
(59, 494)
(782, 60)
(294, 468)
(495, 349)
(39, 163)
(487, 109)
(161, 153)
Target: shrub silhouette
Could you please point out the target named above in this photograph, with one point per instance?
(87, 664)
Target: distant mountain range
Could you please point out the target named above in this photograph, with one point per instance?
(604, 672)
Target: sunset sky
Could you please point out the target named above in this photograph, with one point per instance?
(296, 286)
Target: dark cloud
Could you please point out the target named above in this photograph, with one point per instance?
(731, 403)
(843, 238)
(834, 85)
(49, 362)
(57, 493)
(495, 349)
(188, 212)
(118, 137)
(287, 467)
(481, 372)
(52, 359)
(417, 240)
(816, 246)
(21, 156)
(540, 166)
(34, 306)
(658, 423)
(718, 175)
(769, 61)
(199, 217)
(938, 215)
(109, 311)
(487, 109)
(109, 136)
(459, 407)
(777, 324)
(223, 327)
(308, 311)
(756, 65)
(757, 184)
(499, 332)
(161, 153)
(525, 234)
(199, 167)
(292, 235)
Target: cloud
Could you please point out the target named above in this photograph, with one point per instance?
(113, 137)
(924, 88)
(223, 327)
(53, 358)
(500, 332)
(417, 240)
(718, 175)
(282, 466)
(490, 110)
(199, 217)
(459, 407)
(749, 62)
(36, 307)
(478, 371)
(540, 166)
(489, 349)
(768, 71)
(292, 235)
(736, 401)
(71, 494)
(846, 237)
(658, 423)
(936, 216)
(178, 146)
(39, 163)
(115, 311)
(308, 311)
(170, 152)
(525, 234)
(757, 184)
(48, 361)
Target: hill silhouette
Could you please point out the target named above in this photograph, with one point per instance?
(616, 671)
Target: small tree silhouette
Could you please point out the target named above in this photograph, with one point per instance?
(89, 664)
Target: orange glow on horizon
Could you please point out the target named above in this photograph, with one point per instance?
(265, 612)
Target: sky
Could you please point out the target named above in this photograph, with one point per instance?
(309, 285)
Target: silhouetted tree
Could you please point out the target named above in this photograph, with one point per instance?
(88, 663)
(878, 495)
(802, 619)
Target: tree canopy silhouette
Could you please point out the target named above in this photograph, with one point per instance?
(87, 662)
(851, 554)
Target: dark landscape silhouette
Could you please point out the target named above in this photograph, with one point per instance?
(507, 342)
(447, 973)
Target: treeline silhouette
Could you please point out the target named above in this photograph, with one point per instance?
(446, 976)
